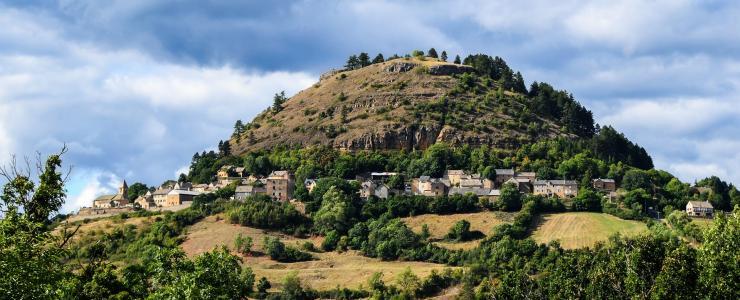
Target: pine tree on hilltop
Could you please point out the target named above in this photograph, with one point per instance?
(443, 56)
(432, 53)
(352, 63)
(364, 59)
(378, 59)
(457, 59)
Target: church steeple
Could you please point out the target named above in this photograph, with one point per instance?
(123, 190)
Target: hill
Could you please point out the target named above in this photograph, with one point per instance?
(412, 103)
(582, 229)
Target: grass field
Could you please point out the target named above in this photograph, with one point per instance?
(348, 269)
(582, 229)
(439, 225)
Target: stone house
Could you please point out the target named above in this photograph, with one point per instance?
(146, 201)
(280, 185)
(178, 197)
(427, 186)
(160, 196)
(524, 185)
(245, 191)
(604, 184)
(699, 209)
(503, 175)
(371, 188)
(560, 188)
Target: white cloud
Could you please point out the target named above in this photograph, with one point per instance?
(121, 112)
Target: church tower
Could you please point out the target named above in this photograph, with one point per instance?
(123, 190)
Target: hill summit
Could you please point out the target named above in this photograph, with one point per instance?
(413, 102)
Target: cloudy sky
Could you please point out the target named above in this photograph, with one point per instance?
(135, 87)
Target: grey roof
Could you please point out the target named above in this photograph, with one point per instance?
(604, 180)
(505, 172)
(471, 182)
(703, 204)
(183, 192)
(555, 182)
(494, 193)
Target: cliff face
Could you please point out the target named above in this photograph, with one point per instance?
(399, 104)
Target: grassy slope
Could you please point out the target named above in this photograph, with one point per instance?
(439, 225)
(582, 229)
(333, 269)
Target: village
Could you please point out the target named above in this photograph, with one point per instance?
(281, 185)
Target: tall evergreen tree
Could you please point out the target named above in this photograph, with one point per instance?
(378, 59)
(457, 60)
(432, 53)
(352, 63)
(277, 101)
(363, 59)
(443, 56)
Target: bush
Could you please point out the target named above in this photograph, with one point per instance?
(278, 251)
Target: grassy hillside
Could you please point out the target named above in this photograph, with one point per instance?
(439, 225)
(332, 269)
(582, 229)
(405, 103)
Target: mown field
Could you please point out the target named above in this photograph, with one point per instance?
(582, 229)
(348, 269)
(439, 225)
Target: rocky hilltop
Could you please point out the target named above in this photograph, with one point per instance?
(404, 103)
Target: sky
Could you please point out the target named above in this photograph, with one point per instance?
(136, 87)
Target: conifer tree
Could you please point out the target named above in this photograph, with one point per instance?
(432, 53)
(378, 59)
(457, 59)
(363, 59)
(443, 56)
(352, 63)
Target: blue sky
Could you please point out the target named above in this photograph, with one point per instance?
(136, 87)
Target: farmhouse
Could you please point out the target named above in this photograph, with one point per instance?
(160, 195)
(502, 175)
(699, 209)
(560, 188)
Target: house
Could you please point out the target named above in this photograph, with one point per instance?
(160, 195)
(560, 188)
(370, 188)
(604, 184)
(146, 201)
(427, 186)
(178, 197)
(201, 188)
(280, 185)
(120, 199)
(699, 209)
(183, 186)
(309, 184)
(454, 176)
(531, 176)
(524, 185)
(502, 175)
(245, 191)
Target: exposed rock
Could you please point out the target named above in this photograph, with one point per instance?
(400, 67)
(450, 69)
